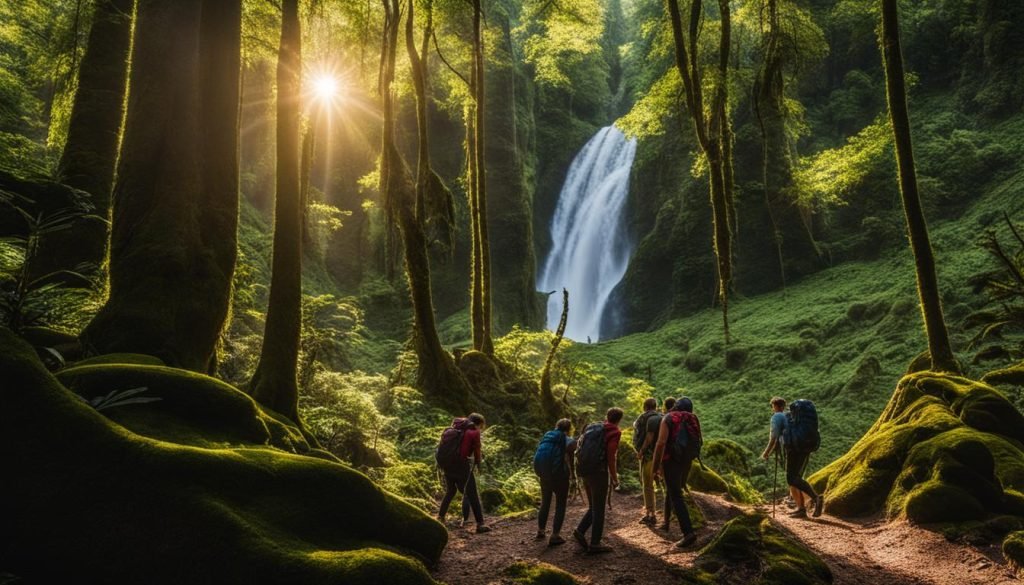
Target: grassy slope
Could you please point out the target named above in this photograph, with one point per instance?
(842, 337)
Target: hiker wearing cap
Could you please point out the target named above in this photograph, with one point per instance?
(552, 463)
(645, 434)
(596, 465)
(457, 455)
(679, 441)
(797, 433)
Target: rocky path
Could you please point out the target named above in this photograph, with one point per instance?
(859, 553)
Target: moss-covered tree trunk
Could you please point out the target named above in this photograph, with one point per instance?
(94, 136)
(275, 383)
(481, 293)
(939, 347)
(413, 208)
(175, 210)
(553, 409)
(712, 131)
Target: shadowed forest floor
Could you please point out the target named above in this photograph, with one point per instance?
(863, 552)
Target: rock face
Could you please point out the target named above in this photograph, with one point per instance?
(945, 449)
(218, 491)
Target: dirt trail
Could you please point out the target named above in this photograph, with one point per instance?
(869, 552)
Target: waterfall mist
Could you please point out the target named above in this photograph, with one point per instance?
(590, 248)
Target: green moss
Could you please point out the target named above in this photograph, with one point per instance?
(943, 450)
(751, 549)
(138, 359)
(178, 513)
(706, 480)
(537, 573)
(1013, 550)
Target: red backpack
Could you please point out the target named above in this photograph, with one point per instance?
(684, 446)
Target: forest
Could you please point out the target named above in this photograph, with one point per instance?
(260, 259)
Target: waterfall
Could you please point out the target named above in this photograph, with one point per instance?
(590, 248)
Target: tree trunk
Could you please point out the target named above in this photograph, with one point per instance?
(174, 230)
(943, 359)
(712, 132)
(94, 136)
(275, 384)
(485, 343)
(437, 372)
(552, 409)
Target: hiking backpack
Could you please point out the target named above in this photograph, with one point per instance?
(684, 436)
(449, 450)
(549, 459)
(591, 456)
(640, 429)
(801, 432)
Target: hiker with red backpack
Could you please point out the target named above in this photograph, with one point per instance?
(596, 458)
(457, 455)
(798, 434)
(552, 462)
(679, 442)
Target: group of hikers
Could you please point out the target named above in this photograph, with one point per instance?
(666, 443)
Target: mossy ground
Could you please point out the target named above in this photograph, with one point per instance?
(94, 498)
(748, 549)
(538, 573)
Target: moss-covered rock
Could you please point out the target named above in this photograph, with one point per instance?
(704, 479)
(944, 450)
(139, 359)
(1013, 550)
(749, 549)
(538, 573)
(726, 456)
(96, 501)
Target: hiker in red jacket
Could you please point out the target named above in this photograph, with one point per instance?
(596, 454)
(462, 439)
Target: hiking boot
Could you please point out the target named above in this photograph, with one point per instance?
(596, 549)
(482, 528)
(798, 513)
(665, 526)
(540, 535)
(819, 503)
(555, 540)
(580, 538)
(687, 540)
(648, 520)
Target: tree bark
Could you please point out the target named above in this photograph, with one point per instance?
(552, 409)
(437, 374)
(486, 343)
(712, 132)
(275, 384)
(94, 137)
(939, 347)
(175, 212)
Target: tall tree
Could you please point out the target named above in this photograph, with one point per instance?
(712, 130)
(939, 347)
(413, 208)
(175, 212)
(480, 293)
(275, 381)
(94, 135)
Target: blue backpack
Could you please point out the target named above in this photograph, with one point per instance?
(549, 460)
(801, 432)
(591, 457)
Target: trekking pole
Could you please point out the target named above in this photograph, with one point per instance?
(775, 482)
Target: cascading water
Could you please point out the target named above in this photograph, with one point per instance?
(590, 248)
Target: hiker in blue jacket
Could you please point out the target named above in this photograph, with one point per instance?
(553, 464)
(796, 462)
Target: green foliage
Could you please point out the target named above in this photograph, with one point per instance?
(1013, 550)
(1003, 315)
(830, 176)
(116, 398)
(556, 38)
(28, 299)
